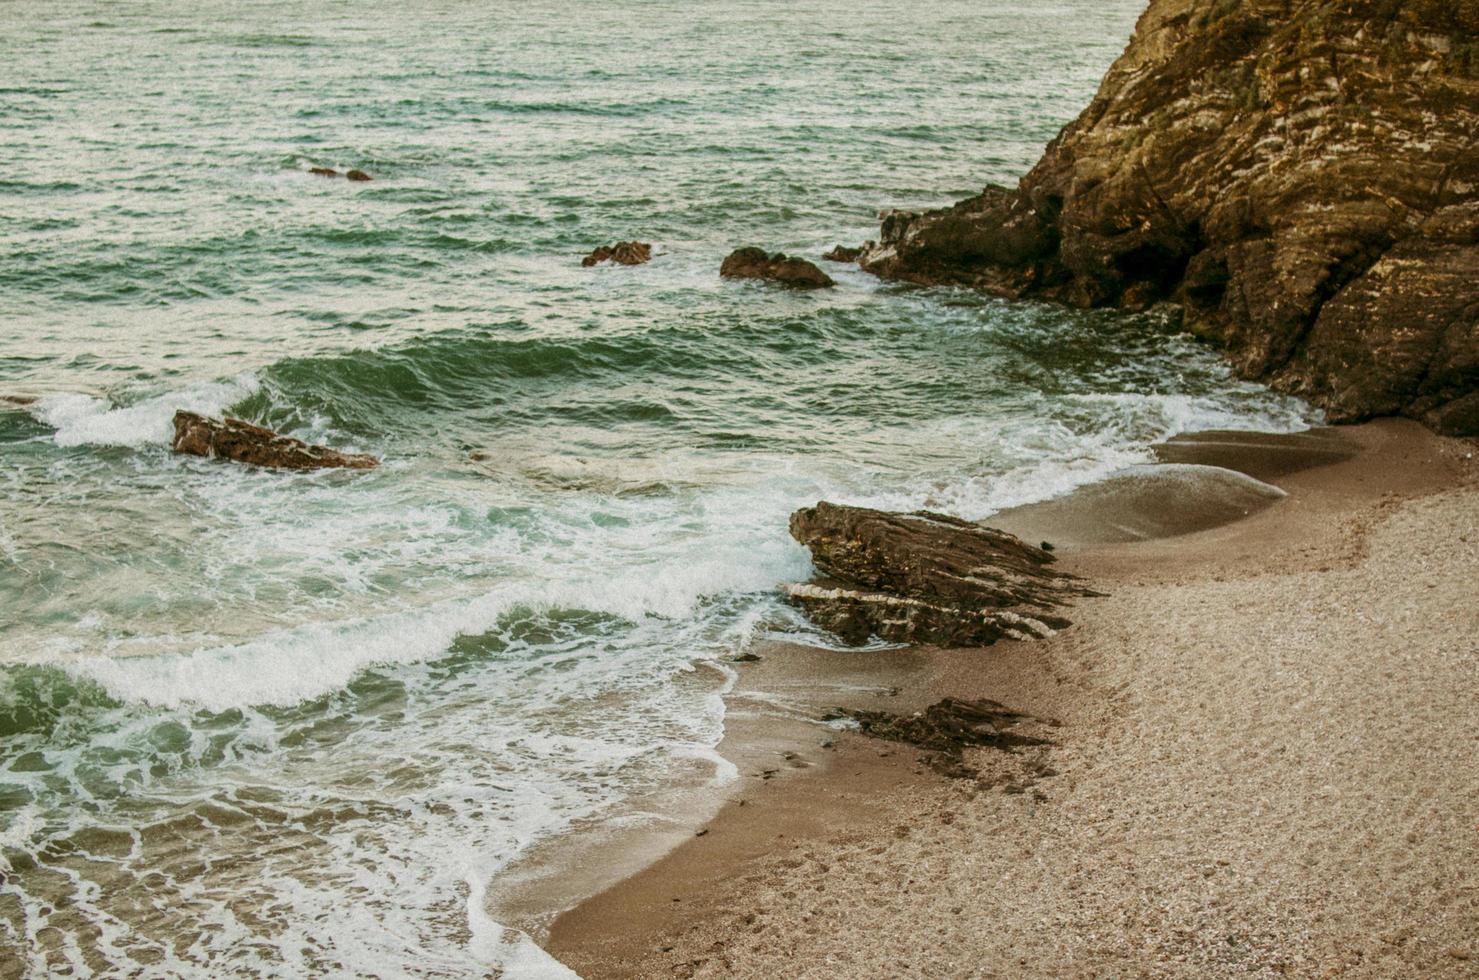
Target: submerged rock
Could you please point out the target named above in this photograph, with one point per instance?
(1302, 183)
(755, 263)
(1140, 503)
(841, 253)
(201, 435)
(622, 253)
(358, 175)
(926, 578)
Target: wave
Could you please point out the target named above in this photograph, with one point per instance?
(80, 420)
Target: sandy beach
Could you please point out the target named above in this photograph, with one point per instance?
(1264, 759)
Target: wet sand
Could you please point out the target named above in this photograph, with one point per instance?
(1267, 765)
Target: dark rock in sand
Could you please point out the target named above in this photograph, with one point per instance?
(1301, 179)
(947, 728)
(358, 175)
(951, 725)
(926, 578)
(842, 253)
(200, 435)
(622, 253)
(755, 263)
(323, 171)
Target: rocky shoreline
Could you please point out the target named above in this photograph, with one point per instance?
(1300, 181)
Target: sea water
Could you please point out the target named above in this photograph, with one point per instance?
(264, 723)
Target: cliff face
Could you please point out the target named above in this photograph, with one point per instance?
(1301, 176)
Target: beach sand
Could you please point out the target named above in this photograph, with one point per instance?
(1267, 762)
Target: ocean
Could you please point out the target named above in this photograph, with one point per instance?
(258, 723)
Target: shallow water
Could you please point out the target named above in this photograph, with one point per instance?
(266, 723)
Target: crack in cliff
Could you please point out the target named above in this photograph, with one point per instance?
(1338, 276)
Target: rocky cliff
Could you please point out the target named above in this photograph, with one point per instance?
(1301, 177)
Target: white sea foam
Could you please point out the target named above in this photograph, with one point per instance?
(1037, 459)
(81, 420)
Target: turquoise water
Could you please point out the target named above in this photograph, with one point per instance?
(259, 723)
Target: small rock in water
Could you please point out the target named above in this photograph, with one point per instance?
(201, 435)
(358, 175)
(622, 253)
(755, 263)
(842, 253)
(19, 399)
(323, 171)
(745, 658)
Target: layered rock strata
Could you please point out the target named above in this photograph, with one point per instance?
(926, 578)
(1299, 177)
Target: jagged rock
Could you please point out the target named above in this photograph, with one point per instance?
(201, 435)
(323, 171)
(926, 578)
(358, 175)
(755, 263)
(622, 253)
(842, 253)
(1300, 176)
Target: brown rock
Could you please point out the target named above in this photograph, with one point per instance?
(622, 253)
(323, 171)
(358, 175)
(926, 578)
(1302, 181)
(755, 263)
(841, 253)
(200, 435)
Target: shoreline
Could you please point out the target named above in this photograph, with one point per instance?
(800, 867)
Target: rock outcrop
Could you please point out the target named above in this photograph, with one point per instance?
(1300, 177)
(925, 578)
(756, 263)
(841, 253)
(201, 435)
(622, 253)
